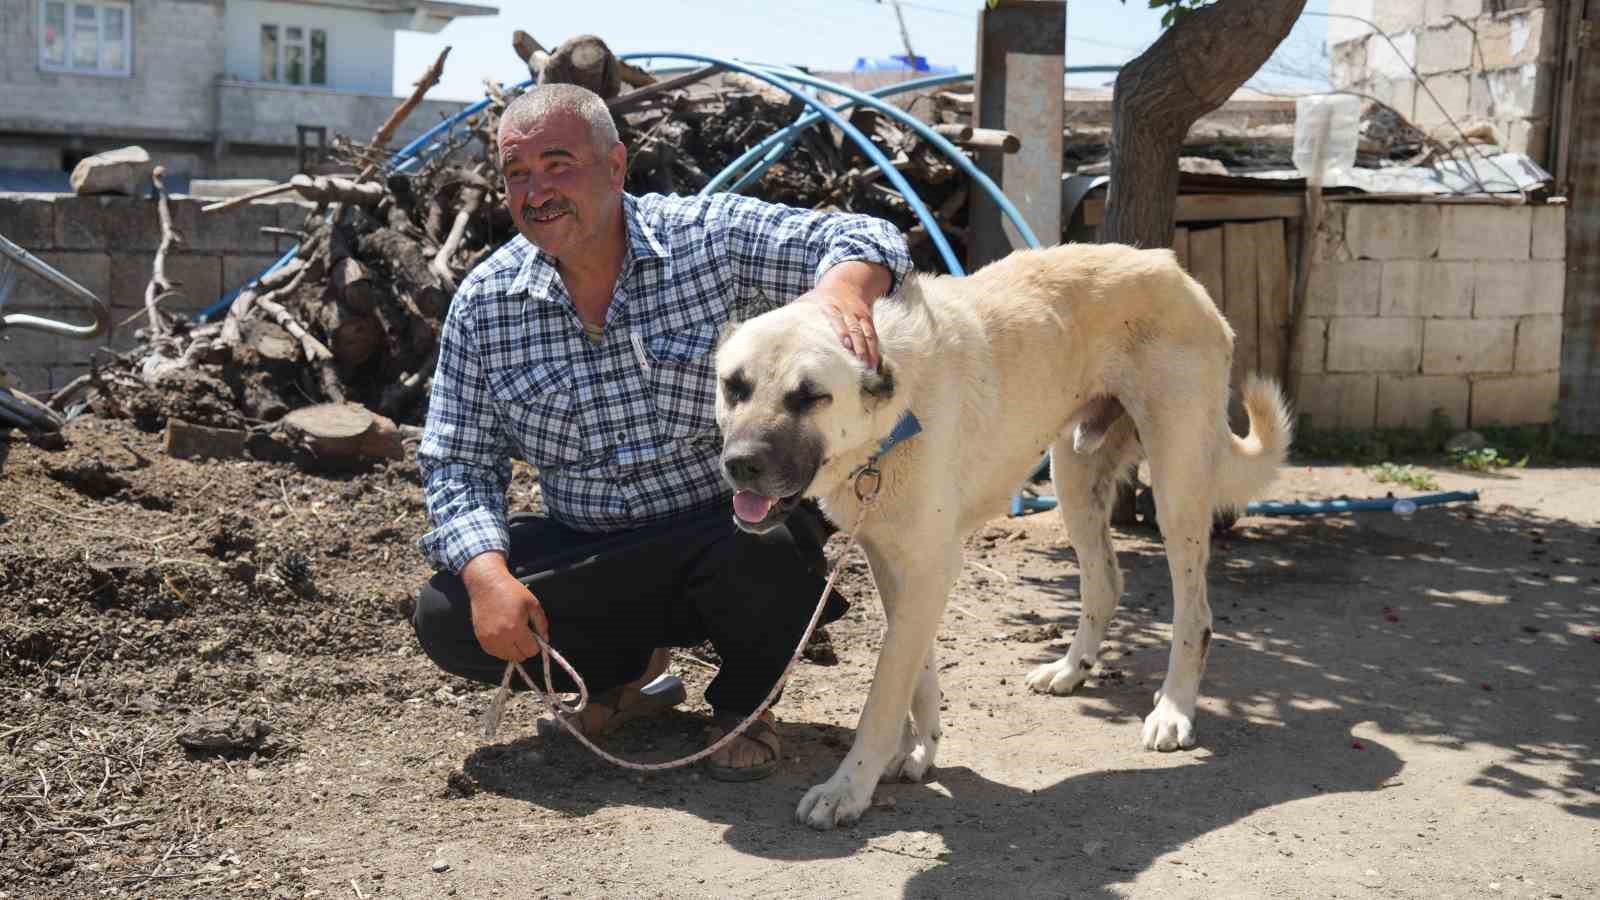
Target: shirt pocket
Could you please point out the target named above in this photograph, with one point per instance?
(538, 403)
(683, 379)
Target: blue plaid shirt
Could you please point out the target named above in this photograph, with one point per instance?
(622, 432)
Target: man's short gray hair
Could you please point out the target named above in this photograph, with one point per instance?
(541, 100)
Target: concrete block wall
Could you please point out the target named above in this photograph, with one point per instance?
(108, 245)
(1475, 61)
(1413, 307)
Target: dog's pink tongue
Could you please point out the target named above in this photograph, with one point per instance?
(752, 507)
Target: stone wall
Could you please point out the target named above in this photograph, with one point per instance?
(108, 245)
(1479, 61)
(1413, 307)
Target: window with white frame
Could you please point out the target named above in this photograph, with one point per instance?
(92, 38)
(292, 54)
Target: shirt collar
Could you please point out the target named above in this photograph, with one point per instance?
(538, 271)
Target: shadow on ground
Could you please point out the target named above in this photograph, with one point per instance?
(1457, 628)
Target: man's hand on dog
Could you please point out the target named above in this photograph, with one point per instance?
(846, 293)
(502, 609)
(852, 321)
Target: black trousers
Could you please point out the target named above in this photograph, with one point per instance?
(613, 598)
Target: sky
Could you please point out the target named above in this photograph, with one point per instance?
(818, 34)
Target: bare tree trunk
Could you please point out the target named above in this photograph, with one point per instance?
(1191, 70)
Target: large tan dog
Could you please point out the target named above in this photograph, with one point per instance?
(1094, 352)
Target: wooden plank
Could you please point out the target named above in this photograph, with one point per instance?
(1205, 261)
(1180, 246)
(1563, 128)
(1239, 286)
(1272, 296)
(1216, 207)
(186, 441)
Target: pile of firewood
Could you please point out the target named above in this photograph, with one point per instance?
(354, 318)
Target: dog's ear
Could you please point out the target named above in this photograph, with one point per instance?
(877, 386)
(727, 330)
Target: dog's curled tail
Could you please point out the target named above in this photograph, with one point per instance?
(1252, 461)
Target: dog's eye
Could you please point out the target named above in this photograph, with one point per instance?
(804, 400)
(735, 389)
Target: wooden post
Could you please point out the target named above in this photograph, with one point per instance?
(1018, 89)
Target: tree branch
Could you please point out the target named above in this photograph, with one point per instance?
(159, 288)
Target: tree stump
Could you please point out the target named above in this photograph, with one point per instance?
(345, 431)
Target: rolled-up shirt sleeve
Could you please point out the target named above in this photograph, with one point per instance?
(783, 250)
(464, 456)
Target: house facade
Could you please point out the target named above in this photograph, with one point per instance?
(212, 88)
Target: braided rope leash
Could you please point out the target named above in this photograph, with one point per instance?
(561, 710)
(868, 479)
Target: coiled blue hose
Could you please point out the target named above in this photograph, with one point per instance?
(920, 209)
(777, 144)
(940, 142)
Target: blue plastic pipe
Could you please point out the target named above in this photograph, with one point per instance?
(778, 143)
(1020, 505)
(935, 233)
(1384, 504)
(937, 140)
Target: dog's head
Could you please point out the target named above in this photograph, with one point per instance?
(790, 399)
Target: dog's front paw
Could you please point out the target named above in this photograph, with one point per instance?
(834, 802)
(914, 758)
(1169, 726)
(1059, 677)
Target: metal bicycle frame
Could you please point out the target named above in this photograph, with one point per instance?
(102, 313)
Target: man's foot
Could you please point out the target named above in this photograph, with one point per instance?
(614, 708)
(751, 756)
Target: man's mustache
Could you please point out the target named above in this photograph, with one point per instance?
(548, 209)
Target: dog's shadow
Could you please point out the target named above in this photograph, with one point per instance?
(1080, 835)
(1312, 672)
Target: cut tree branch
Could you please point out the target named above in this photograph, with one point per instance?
(472, 194)
(242, 199)
(327, 189)
(159, 287)
(632, 100)
(387, 130)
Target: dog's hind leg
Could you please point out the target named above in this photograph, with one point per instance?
(1182, 446)
(914, 582)
(919, 741)
(1085, 490)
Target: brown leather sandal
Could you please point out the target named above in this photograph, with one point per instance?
(761, 732)
(655, 698)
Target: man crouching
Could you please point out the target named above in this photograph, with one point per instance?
(585, 346)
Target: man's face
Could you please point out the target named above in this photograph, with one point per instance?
(562, 191)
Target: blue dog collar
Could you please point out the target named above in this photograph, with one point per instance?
(908, 427)
(867, 478)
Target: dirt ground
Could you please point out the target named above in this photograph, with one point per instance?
(1394, 707)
